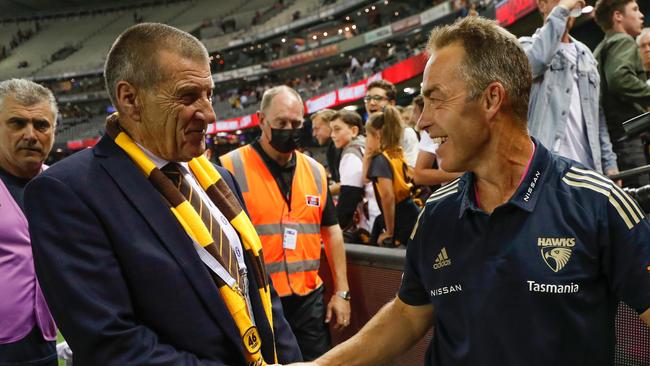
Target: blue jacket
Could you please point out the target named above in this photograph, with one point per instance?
(548, 111)
(121, 276)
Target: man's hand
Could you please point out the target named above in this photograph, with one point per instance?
(341, 309)
(614, 171)
(382, 237)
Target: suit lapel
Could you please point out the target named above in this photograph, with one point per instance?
(149, 202)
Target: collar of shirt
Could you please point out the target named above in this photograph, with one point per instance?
(526, 195)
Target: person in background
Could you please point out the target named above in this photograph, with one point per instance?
(292, 209)
(28, 115)
(569, 120)
(389, 174)
(381, 93)
(357, 207)
(426, 171)
(322, 132)
(407, 116)
(624, 90)
(643, 41)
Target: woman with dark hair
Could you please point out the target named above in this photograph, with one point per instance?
(357, 207)
(391, 178)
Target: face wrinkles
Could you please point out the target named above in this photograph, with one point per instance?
(284, 112)
(178, 110)
(26, 136)
(452, 121)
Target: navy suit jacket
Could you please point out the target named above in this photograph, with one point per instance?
(121, 276)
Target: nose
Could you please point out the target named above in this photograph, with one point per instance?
(29, 133)
(206, 112)
(427, 123)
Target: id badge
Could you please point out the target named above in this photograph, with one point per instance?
(290, 238)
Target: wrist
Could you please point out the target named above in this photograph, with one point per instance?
(345, 295)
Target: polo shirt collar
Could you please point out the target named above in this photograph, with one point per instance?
(526, 195)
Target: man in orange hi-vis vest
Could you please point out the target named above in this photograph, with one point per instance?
(290, 205)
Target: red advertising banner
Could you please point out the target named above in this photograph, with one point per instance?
(80, 144)
(406, 69)
(509, 11)
(402, 71)
(234, 124)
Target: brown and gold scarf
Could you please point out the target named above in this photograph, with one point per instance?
(223, 198)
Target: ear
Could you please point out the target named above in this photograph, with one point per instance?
(260, 117)
(355, 130)
(617, 16)
(127, 100)
(494, 98)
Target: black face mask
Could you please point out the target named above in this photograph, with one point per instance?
(286, 141)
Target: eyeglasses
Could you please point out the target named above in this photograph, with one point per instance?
(376, 98)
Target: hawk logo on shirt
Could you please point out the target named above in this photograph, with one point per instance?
(556, 252)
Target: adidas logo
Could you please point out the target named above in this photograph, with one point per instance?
(442, 260)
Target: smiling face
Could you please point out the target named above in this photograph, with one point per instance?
(342, 133)
(450, 119)
(376, 99)
(175, 113)
(26, 136)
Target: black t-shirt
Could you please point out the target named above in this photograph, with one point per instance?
(379, 168)
(15, 186)
(284, 177)
(333, 160)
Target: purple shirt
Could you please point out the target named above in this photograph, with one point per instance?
(22, 304)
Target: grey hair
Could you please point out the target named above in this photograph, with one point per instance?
(491, 54)
(644, 32)
(134, 55)
(28, 93)
(268, 96)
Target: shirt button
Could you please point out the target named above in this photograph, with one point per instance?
(563, 113)
(568, 90)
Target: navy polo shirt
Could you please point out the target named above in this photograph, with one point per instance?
(538, 281)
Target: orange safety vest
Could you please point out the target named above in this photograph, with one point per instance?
(293, 271)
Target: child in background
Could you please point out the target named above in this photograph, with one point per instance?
(357, 207)
(390, 176)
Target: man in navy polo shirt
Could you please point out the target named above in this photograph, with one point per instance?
(522, 260)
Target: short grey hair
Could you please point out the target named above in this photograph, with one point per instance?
(644, 32)
(268, 96)
(28, 93)
(134, 55)
(491, 54)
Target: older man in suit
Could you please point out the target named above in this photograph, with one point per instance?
(144, 251)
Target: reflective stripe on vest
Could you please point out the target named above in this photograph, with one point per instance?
(302, 266)
(293, 271)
